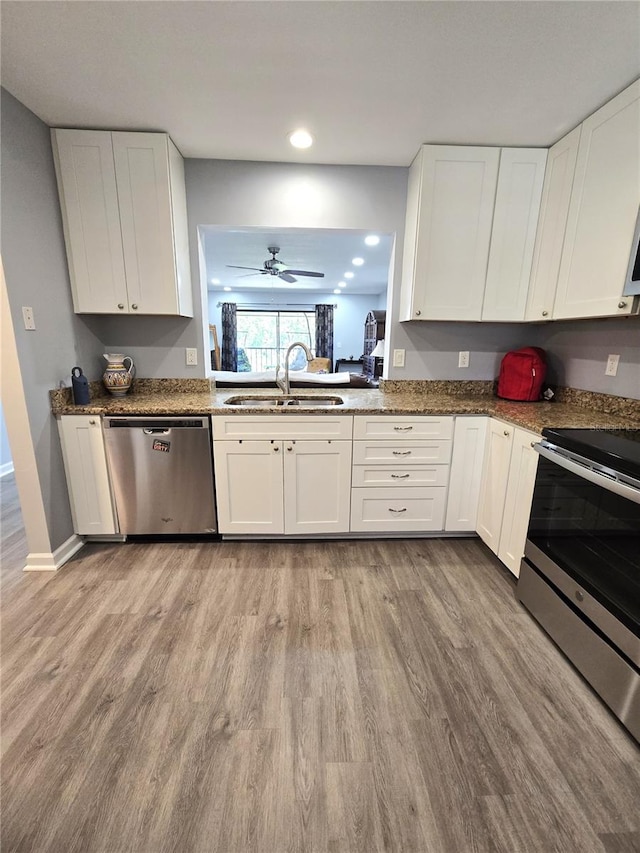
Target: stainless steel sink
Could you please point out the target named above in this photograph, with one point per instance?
(290, 401)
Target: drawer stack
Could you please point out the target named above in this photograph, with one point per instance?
(400, 473)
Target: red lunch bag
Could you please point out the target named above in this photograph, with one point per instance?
(522, 373)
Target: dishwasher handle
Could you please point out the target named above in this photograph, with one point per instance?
(156, 431)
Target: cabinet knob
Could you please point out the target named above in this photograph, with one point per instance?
(506, 432)
(92, 421)
(120, 305)
(276, 449)
(533, 444)
(579, 595)
(622, 304)
(289, 449)
(545, 313)
(418, 313)
(135, 306)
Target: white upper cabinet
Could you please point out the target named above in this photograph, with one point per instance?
(554, 209)
(450, 204)
(515, 220)
(471, 223)
(124, 215)
(602, 212)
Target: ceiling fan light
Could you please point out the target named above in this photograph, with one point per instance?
(371, 240)
(357, 262)
(349, 274)
(301, 138)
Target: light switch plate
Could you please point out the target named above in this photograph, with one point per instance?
(398, 358)
(191, 356)
(29, 319)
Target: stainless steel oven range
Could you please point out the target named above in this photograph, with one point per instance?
(580, 576)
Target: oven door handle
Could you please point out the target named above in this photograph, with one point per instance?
(591, 474)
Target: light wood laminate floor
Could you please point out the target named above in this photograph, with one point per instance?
(285, 697)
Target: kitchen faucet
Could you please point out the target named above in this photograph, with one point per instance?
(284, 385)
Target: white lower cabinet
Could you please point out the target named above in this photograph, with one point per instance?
(507, 488)
(284, 485)
(85, 465)
(400, 476)
(469, 439)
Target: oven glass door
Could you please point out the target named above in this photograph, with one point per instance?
(591, 533)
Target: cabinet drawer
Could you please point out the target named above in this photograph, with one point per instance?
(402, 452)
(280, 426)
(371, 476)
(389, 510)
(404, 427)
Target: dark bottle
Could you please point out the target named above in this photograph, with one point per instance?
(79, 386)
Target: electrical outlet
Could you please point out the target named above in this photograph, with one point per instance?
(29, 320)
(463, 359)
(398, 358)
(612, 365)
(191, 356)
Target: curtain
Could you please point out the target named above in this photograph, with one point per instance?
(324, 332)
(229, 337)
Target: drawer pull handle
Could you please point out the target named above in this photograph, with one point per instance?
(391, 509)
(403, 429)
(402, 453)
(400, 476)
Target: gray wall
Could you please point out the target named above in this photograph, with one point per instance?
(35, 268)
(6, 463)
(578, 352)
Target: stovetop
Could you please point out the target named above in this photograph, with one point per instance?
(618, 449)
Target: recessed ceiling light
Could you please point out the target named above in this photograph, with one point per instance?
(301, 138)
(349, 274)
(372, 240)
(215, 281)
(337, 290)
(228, 289)
(357, 262)
(342, 284)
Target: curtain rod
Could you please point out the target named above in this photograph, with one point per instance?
(278, 305)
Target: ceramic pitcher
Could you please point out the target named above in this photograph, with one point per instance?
(118, 377)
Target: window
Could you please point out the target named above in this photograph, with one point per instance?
(264, 336)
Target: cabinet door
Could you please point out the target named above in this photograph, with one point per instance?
(515, 521)
(249, 489)
(602, 212)
(513, 235)
(455, 212)
(91, 220)
(85, 465)
(469, 441)
(317, 486)
(554, 209)
(494, 483)
(142, 176)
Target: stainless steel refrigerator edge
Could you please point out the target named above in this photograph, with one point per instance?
(162, 474)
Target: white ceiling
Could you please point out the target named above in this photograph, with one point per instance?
(320, 249)
(371, 80)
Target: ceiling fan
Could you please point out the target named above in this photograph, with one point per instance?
(273, 266)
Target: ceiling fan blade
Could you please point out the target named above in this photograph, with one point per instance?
(235, 267)
(305, 272)
(286, 276)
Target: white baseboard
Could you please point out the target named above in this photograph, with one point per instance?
(51, 562)
(7, 468)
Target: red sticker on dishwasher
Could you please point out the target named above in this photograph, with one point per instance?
(162, 446)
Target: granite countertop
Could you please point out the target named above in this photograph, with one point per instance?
(194, 397)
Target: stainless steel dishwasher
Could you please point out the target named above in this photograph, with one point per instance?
(162, 474)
